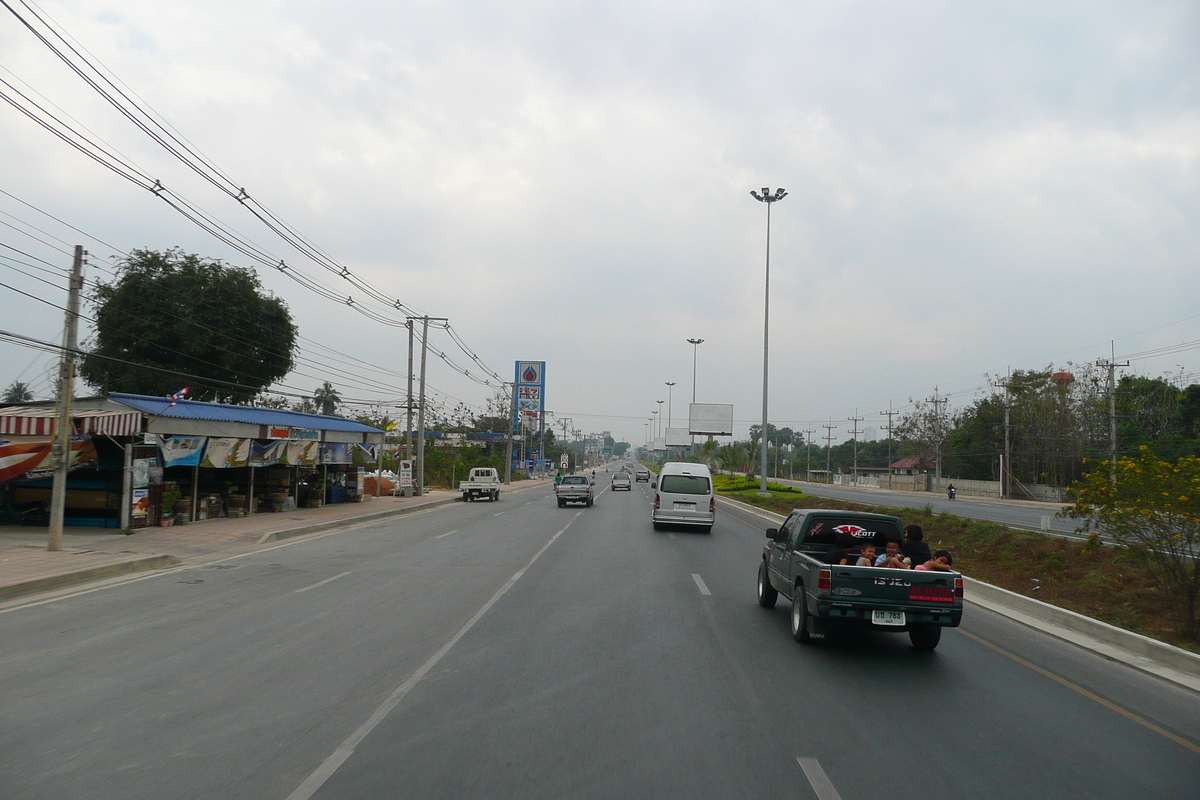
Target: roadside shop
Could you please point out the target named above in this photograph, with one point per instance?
(141, 461)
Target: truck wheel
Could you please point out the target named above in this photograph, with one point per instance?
(925, 637)
(766, 592)
(465, 496)
(657, 526)
(496, 496)
(589, 502)
(561, 503)
(799, 616)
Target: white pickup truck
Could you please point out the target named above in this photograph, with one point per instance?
(482, 482)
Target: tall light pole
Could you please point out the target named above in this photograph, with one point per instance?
(694, 343)
(670, 394)
(654, 423)
(768, 198)
(661, 432)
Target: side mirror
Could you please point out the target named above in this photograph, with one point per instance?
(653, 484)
(772, 533)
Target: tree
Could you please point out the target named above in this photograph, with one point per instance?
(1151, 507)
(266, 401)
(304, 405)
(17, 392)
(171, 319)
(327, 399)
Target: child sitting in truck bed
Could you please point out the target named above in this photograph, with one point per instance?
(891, 557)
(867, 558)
(941, 562)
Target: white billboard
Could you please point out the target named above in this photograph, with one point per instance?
(678, 437)
(711, 419)
(659, 444)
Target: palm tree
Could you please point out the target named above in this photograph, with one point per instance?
(327, 399)
(17, 392)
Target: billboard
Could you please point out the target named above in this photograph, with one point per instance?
(659, 444)
(712, 419)
(530, 383)
(678, 437)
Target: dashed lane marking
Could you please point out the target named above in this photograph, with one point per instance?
(818, 779)
(700, 584)
(321, 583)
(447, 533)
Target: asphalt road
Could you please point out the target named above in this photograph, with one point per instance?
(546, 653)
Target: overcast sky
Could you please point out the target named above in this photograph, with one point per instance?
(972, 187)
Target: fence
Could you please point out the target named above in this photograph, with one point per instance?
(928, 483)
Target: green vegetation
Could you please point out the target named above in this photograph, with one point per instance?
(1152, 508)
(1112, 584)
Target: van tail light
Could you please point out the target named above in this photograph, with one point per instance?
(958, 587)
(824, 579)
(656, 501)
(712, 505)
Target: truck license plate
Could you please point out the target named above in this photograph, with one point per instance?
(887, 617)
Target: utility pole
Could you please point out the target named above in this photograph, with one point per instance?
(938, 402)
(420, 470)
(829, 429)
(889, 427)
(66, 389)
(808, 432)
(1111, 364)
(408, 440)
(508, 432)
(1006, 465)
(855, 419)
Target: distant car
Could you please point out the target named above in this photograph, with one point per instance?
(643, 474)
(621, 480)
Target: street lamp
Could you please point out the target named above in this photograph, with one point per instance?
(660, 425)
(694, 343)
(768, 198)
(654, 422)
(670, 393)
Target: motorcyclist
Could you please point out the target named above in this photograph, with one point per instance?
(951, 491)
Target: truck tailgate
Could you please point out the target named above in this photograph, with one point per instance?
(893, 586)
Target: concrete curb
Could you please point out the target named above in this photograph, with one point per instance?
(1108, 641)
(65, 579)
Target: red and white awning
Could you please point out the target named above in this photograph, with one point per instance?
(24, 421)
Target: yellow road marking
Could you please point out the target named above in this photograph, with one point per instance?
(1195, 748)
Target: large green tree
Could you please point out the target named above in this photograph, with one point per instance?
(17, 392)
(172, 314)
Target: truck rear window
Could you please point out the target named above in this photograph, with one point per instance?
(574, 479)
(684, 484)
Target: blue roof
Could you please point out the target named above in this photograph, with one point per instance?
(219, 412)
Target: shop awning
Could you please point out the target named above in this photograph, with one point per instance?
(26, 421)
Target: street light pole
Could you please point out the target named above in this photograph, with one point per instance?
(694, 343)
(768, 198)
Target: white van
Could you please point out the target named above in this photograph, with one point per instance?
(684, 496)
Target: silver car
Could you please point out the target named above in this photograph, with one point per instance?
(621, 480)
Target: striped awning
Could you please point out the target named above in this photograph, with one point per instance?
(23, 421)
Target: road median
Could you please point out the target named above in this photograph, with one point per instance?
(69, 578)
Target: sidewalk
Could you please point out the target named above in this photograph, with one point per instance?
(91, 554)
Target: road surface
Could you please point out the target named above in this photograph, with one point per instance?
(520, 650)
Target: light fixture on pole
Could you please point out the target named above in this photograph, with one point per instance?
(768, 198)
(694, 343)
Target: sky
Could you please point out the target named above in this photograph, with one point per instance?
(972, 188)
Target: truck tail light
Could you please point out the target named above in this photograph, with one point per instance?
(824, 579)
(712, 504)
(958, 587)
(656, 501)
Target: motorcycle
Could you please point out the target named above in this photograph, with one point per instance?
(950, 492)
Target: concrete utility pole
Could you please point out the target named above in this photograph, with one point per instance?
(855, 419)
(808, 432)
(508, 432)
(408, 436)
(829, 429)
(889, 427)
(1006, 463)
(420, 470)
(1111, 365)
(66, 389)
(938, 402)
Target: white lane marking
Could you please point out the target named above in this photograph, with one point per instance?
(321, 583)
(700, 584)
(447, 533)
(498, 513)
(670, 534)
(819, 780)
(344, 750)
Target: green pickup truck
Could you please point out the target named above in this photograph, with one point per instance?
(795, 564)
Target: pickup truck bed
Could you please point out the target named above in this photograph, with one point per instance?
(825, 595)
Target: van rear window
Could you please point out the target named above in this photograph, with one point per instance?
(684, 484)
